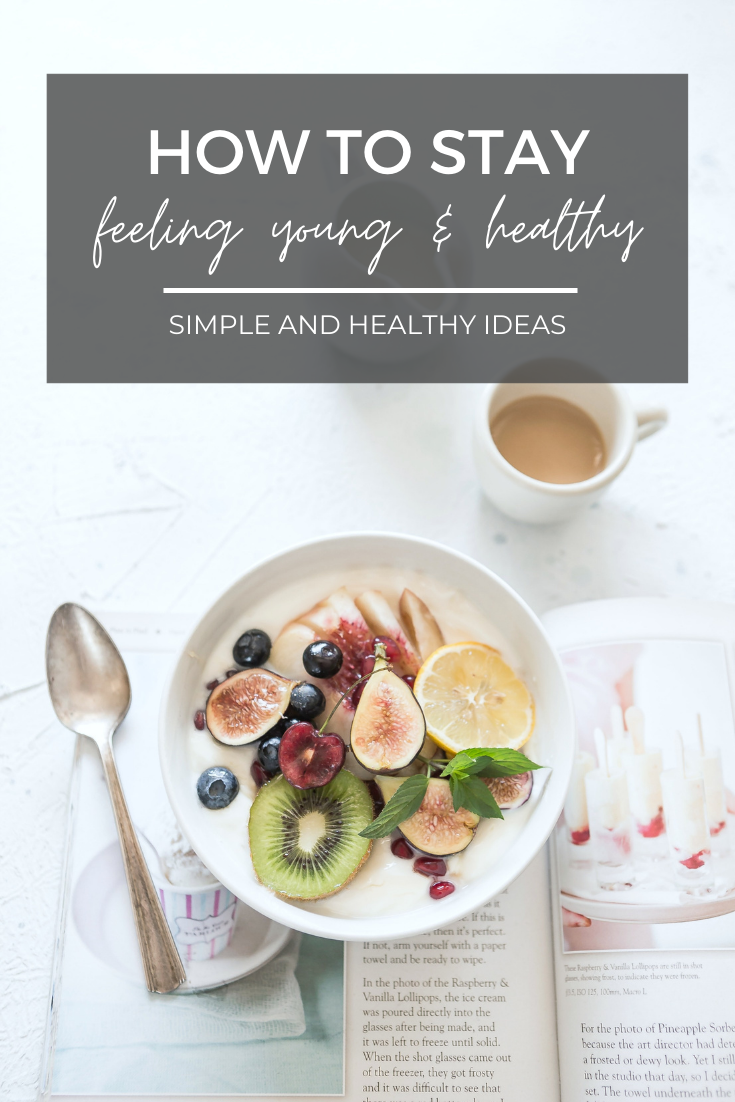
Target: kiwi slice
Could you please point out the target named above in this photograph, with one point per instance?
(305, 843)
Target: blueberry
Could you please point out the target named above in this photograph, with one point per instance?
(270, 742)
(268, 752)
(322, 659)
(217, 787)
(307, 701)
(252, 648)
(279, 729)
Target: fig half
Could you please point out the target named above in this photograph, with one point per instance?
(389, 729)
(511, 792)
(243, 707)
(436, 828)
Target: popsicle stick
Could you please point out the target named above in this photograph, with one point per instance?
(601, 747)
(700, 732)
(616, 722)
(636, 725)
(682, 757)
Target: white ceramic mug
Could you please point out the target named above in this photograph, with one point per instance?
(535, 502)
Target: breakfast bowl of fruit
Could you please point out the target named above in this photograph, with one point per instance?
(367, 737)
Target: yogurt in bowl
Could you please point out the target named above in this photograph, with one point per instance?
(386, 898)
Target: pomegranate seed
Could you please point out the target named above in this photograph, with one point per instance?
(401, 848)
(258, 773)
(410, 681)
(441, 889)
(392, 651)
(231, 673)
(430, 866)
(199, 721)
(212, 684)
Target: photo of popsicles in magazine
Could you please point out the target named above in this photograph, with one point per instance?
(646, 817)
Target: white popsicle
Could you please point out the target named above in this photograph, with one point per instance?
(643, 771)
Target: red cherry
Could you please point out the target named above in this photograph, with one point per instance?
(401, 848)
(441, 889)
(392, 651)
(357, 693)
(199, 721)
(430, 866)
(410, 681)
(258, 773)
(308, 759)
(367, 664)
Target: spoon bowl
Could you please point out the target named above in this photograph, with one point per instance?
(87, 679)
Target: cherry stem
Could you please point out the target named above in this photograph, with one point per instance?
(379, 653)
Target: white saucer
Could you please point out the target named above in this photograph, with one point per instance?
(101, 909)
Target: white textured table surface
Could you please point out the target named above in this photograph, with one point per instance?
(156, 498)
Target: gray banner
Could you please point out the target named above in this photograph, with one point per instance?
(397, 228)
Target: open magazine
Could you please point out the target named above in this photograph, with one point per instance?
(607, 970)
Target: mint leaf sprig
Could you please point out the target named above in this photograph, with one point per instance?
(464, 772)
(465, 769)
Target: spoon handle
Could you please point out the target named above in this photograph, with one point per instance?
(161, 962)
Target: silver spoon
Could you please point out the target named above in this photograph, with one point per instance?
(90, 692)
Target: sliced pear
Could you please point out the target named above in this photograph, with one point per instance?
(388, 729)
(337, 615)
(422, 628)
(389, 786)
(383, 621)
(288, 650)
(430, 748)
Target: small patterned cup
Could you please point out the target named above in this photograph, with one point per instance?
(202, 920)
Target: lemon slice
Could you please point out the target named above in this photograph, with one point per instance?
(471, 697)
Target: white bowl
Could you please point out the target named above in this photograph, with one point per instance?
(552, 743)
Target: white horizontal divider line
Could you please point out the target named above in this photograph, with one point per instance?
(369, 290)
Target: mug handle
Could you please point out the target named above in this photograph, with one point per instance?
(650, 421)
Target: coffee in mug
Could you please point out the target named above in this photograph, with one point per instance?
(549, 439)
(579, 436)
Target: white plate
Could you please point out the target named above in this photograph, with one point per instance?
(552, 743)
(656, 896)
(102, 916)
